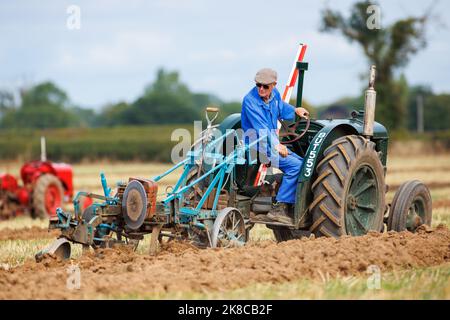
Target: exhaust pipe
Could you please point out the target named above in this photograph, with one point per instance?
(43, 150)
(369, 105)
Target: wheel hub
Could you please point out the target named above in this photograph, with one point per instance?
(351, 202)
(414, 220)
(361, 201)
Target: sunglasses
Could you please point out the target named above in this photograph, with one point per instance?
(265, 86)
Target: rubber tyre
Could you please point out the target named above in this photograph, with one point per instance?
(40, 188)
(342, 159)
(406, 195)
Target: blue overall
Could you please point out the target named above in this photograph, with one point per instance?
(258, 115)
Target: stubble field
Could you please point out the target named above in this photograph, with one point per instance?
(387, 266)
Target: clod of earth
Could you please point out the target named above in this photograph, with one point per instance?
(179, 266)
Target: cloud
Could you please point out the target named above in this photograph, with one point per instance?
(223, 55)
(125, 50)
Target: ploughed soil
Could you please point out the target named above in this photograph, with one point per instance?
(180, 267)
(28, 233)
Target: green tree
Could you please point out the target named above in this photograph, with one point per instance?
(167, 100)
(7, 102)
(414, 92)
(83, 117)
(43, 106)
(389, 48)
(437, 112)
(113, 114)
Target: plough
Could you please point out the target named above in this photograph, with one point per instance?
(202, 207)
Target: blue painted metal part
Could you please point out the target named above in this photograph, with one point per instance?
(157, 178)
(210, 188)
(64, 220)
(219, 169)
(224, 165)
(106, 190)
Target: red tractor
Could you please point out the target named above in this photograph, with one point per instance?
(46, 186)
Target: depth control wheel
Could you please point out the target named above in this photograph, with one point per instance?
(229, 229)
(411, 207)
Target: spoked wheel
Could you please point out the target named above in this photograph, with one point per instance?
(349, 191)
(411, 207)
(229, 229)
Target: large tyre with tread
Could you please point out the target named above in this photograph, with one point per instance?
(349, 191)
(48, 195)
(411, 207)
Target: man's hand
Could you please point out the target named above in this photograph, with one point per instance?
(302, 112)
(282, 150)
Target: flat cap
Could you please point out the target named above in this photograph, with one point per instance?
(266, 76)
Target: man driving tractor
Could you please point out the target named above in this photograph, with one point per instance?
(262, 108)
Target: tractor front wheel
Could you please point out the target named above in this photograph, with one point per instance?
(48, 195)
(349, 191)
(411, 207)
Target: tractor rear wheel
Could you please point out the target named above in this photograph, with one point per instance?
(349, 191)
(411, 207)
(48, 195)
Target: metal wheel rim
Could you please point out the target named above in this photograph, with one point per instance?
(231, 231)
(361, 203)
(416, 214)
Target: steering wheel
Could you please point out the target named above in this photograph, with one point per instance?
(290, 131)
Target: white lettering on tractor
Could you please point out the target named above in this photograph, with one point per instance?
(313, 154)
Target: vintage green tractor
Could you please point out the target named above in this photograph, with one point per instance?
(341, 189)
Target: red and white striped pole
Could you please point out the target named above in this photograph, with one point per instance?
(294, 73)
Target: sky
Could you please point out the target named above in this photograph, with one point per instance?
(216, 46)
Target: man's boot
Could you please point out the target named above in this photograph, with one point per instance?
(280, 213)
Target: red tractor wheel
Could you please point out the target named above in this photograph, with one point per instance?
(48, 195)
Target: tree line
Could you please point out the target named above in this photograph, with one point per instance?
(169, 101)
(165, 101)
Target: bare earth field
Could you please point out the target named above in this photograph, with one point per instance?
(414, 266)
